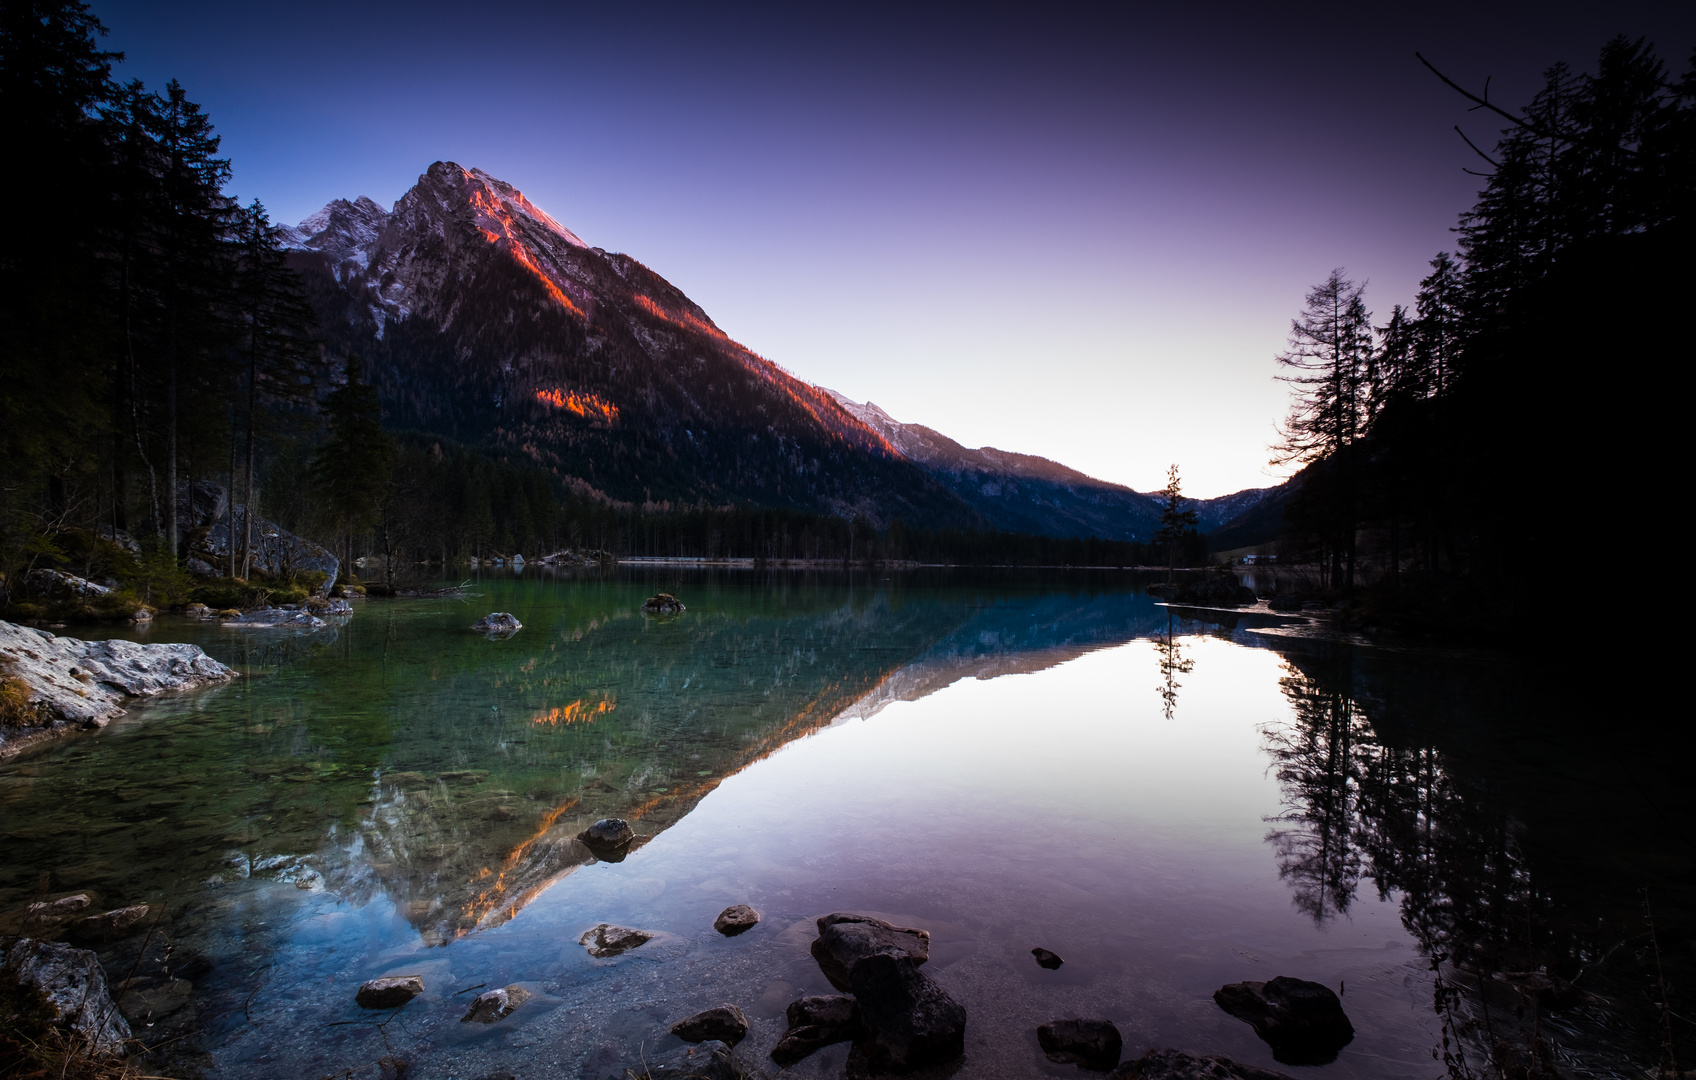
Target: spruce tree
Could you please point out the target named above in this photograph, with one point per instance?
(1175, 518)
(352, 466)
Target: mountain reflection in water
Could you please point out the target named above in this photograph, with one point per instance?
(398, 757)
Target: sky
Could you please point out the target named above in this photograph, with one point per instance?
(1079, 231)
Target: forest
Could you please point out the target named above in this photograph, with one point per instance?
(1456, 455)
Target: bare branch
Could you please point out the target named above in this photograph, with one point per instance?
(1475, 150)
(1483, 103)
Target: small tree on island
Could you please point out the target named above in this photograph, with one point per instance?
(1175, 519)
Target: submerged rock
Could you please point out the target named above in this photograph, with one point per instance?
(735, 919)
(725, 1023)
(72, 991)
(1303, 1022)
(814, 1023)
(1168, 1064)
(495, 1005)
(1046, 959)
(75, 684)
(1092, 1044)
(1287, 602)
(498, 623)
(908, 1021)
(711, 1060)
(389, 992)
(845, 939)
(286, 618)
(109, 925)
(607, 940)
(147, 1000)
(663, 604)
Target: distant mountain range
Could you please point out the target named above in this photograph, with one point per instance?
(483, 319)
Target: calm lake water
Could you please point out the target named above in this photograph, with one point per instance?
(1169, 799)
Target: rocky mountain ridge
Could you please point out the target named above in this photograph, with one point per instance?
(482, 318)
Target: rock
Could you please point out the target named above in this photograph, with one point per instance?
(390, 992)
(78, 684)
(495, 1005)
(318, 605)
(276, 619)
(109, 925)
(499, 623)
(663, 604)
(710, 1060)
(1046, 959)
(1303, 1022)
(1163, 590)
(200, 568)
(735, 919)
(145, 1001)
(1216, 590)
(722, 1022)
(908, 1021)
(1168, 1064)
(1286, 602)
(275, 550)
(845, 939)
(608, 940)
(72, 988)
(1092, 1044)
(607, 834)
(58, 585)
(45, 913)
(816, 1022)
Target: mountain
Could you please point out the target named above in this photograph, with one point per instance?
(1026, 493)
(483, 319)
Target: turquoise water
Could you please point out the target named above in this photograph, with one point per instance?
(1169, 800)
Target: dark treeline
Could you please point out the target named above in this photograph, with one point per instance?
(149, 332)
(441, 502)
(1455, 448)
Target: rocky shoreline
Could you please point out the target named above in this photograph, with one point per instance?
(55, 686)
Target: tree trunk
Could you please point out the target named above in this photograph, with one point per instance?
(172, 536)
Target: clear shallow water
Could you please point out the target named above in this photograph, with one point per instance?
(1169, 803)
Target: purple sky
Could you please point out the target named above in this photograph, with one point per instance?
(1076, 231)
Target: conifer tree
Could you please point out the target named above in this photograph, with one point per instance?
(352, 467)
(1175, 518)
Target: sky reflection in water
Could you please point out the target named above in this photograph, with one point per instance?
(1008, 763)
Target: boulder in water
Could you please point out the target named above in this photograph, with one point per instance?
(1169, 1064)
(1303, 1022)
(815, 1022)
(495, 1005)
(726, 1023)
(1092, 1044)
(735, 919)
(663, 604)
(389, 992)
(908, 1020)
(845, 939)
(1046, 959)
(498, 623)
(606, 940)
(607, 835)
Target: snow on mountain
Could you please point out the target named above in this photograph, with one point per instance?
(487, 320)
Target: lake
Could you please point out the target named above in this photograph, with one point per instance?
(1170, 799)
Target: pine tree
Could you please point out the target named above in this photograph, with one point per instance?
(352, 467)
(281, 355)
(1175, 518)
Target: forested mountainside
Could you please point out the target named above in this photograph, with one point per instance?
(481, 318)
(1027, 493)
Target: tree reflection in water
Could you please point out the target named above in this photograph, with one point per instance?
(1523, 971)
(1172, 664)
